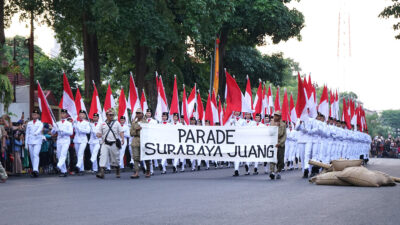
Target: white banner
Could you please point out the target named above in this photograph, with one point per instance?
(220, 143)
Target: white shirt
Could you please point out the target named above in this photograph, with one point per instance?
(64, 130)
(34, 134)
(151, 121)
(93, 138)
(82, 128)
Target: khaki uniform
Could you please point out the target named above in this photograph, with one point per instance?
(136, 145)
(109, 151)
(281, 147)
(3, 174)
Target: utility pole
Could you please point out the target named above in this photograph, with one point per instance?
(16, 74)
(31, 71)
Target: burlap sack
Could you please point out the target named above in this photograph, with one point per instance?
(329, 178)
(339, 165)
(383, 179)
(361, 176)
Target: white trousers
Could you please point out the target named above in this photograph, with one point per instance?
(94, 150)
(62, 151)
(34, 151)
(80, 150)
(122, 154)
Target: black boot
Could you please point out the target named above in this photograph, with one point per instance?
(100, 174)
(255, 171)
(236, 174)
(305, 175)
(272, 176)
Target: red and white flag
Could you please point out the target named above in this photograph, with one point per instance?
(235, 101)
(175, 101)
(293, 114)
(143, 102)
(80, 105)
(95, 106)
(337, 106)
(133, 98)
(200, 108)
(191, 101)
(301, 104)
(323, 106)
(67, 100)
(214, 108)
(122, 107)
(162, 105)
(277, 103)
(248, 96)
(264, 101)
(44, 107)
(332, 105)
(270, 101)
(209, 112)
(258, 100)
(285, 107)
(345, 114)
(185, 107)
(109, 102)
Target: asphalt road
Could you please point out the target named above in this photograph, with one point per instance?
(203, 197)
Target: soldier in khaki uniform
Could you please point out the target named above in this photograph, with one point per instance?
(109, 152)
(135, 132)
(3, 174)
(281, 146)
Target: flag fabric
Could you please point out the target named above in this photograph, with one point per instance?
(258, 100)
(285, 107)
(143, 102)
(184, 107)
(332, 105)
(214, 108)
(270, 102)
(46, 116)
(80, 105)
(216, 66)
(301, 104)
(95, 106)
(337, 106)
(293, 114)
(248, 96)
(133, 97)
(264, 101)
(209, 111)
(235, 100)
(200, 108)
(67, 100)
(323, 106)
(175, 101)
(109, 102)
(345, 115)
(162, 104)
(191, 101)
(277, 103)
(122, 107)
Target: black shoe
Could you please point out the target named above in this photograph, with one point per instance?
(207, 168)
(63, 175)
(283, 170)
(278, 176)
(160, 167)
(255, 171)
(174, 169)
(198, 167)
(305, 175)
(247, 173)
(291, 169)
(272, 176)
(246, 167)
(236, 174)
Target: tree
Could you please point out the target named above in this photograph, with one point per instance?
(392, 11)
(391, 118)
(252, 21)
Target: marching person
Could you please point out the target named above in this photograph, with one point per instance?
(64, 130)
(280, 145)
(175, 162)
(125, 128)
(150, 120)
(238, 122)
(135, 132)
(3, 173)
(248, 122)
(267, 123)
(193, 122)
(164, 121)
(82, 128)
(109, 151)
(257, 123)
(33, 140)
(94, 142)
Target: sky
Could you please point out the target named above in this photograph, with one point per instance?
(371, 71)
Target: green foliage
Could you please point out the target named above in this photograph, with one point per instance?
(391, 118)
(376, 126)
(392, 11)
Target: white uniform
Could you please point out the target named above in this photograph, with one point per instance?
(94, 144)
(257, 124)
(238, 122)
(155, 163)
(164, 161)
(175, 162)
(64, 130)
(126, 129)
(33, 141)
(82, 128)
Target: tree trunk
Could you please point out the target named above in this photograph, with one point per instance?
(2, 35)
(141, 67)
(91, 58)
(222, 79)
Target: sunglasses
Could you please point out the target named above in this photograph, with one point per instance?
(138, 113)
(109, 114)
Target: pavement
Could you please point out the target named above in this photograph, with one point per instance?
(201, 197)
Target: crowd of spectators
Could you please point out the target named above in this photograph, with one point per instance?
(385, 147)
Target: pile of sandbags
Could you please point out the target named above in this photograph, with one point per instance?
(350, 172)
